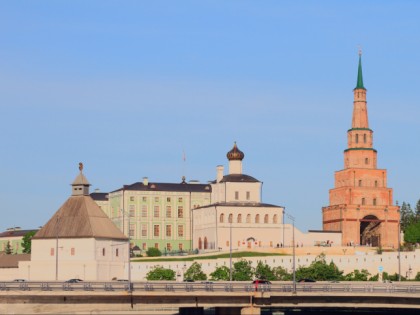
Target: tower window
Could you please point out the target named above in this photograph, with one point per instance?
(248, 195)
(239, 220)
(376, 183)
(236, 195)
(357, 138)
(360, 183)
(266, 218)
(257, 218)
(363, 201)
(230, 218)
(364, 138)
(222, 218)
(248, 218)
(374, 201)
(366, 160)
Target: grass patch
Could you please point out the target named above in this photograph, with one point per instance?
(225, 255)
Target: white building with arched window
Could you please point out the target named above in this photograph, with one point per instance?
(236, 214)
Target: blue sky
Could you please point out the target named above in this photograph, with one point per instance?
(126, 86)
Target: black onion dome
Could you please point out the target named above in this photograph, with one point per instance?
(235, 154)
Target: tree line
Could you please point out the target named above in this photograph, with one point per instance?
(410, 222)
(243, 270)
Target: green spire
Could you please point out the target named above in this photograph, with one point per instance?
(359, 73)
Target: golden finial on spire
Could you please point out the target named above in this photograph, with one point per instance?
(80, 166)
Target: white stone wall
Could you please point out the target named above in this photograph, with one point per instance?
(347, 263)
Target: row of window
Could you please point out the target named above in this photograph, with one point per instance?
(168, 246)
(248, 218)
(374, 202)
(73, 251)
(360, 183)
(248, 195)
(156, 230)
(156, 211)
(157, 199)
(364, 138)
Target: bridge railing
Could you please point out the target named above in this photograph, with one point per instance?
(207, 286)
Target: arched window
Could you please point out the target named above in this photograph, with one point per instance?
(206, 244)
(364, 138)
(357, 138)
(230, 219)
(360, 182)
(363, 201)
(200, 243)
(374, 201)
(257, 218)
(275, 218)
(266, 218)
(222, 217)
(366, 160)
(239, 219)
(376, 183)
(248, 218)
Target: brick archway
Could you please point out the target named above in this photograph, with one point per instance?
(370, 231)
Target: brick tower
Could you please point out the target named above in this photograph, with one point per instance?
(361, 205)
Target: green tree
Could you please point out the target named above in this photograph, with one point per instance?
(8, 249)
(407, 215)
(195, 273)
(153, 252)
(412, 233)
(242, 270)
(220, 274)
(27, 242)
(357, 275)
(394, 277)
(417, 212)
(264, 271)
(417, 277)
(282, 274)
(319, 270)
(160, 273)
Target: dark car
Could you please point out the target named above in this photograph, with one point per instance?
(261, 285)
(262, 281)
(19, 280)
(74, 280)
(189, 280)
(306, 280)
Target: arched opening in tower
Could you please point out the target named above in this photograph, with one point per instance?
(370, 231)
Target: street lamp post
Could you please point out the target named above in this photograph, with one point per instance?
(129, 252)
(282, 244)
(230, 251)
(399, 244)
(56, 248)
(294, 253)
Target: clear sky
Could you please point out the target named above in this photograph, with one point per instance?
(126, 86)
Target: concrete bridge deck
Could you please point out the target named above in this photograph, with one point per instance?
(232, 298)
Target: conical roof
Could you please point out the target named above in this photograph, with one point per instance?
(359, 84)
(80, 217)
(80, 180)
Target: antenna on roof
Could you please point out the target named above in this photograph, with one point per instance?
(184, 163)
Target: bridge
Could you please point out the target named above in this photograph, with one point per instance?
(193, 298)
